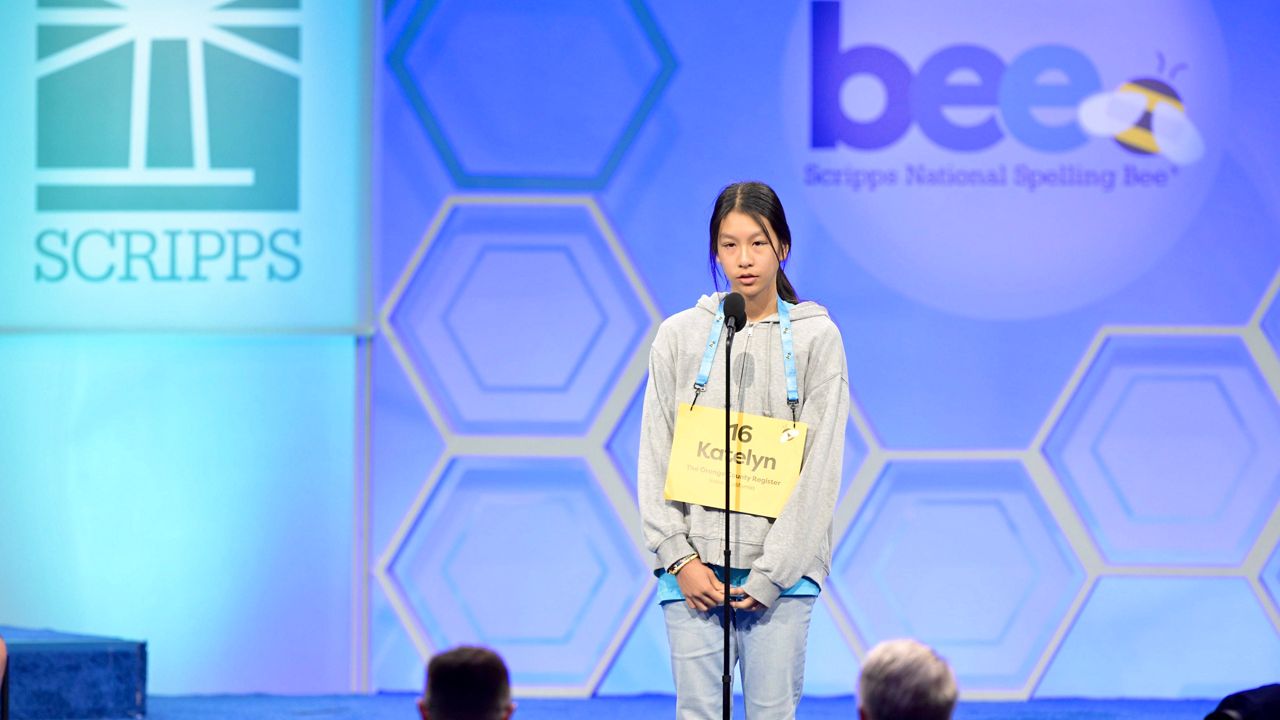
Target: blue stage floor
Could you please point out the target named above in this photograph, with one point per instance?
(401, 707)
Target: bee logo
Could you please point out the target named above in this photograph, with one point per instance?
(1146, 117)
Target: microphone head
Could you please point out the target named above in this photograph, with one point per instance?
(735, 310)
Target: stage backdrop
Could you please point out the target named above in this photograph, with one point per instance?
(1048, 232)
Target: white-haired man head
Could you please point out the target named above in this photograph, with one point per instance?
(904, 679)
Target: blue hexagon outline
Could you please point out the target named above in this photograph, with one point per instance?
(1109, 477)
(596, 331)
(1080, 577)
(448, 559)
(425, 505)
(463, 178)
(1048, 440)
(420, 372)
(882, 562)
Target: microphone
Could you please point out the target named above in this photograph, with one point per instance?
(735, 311)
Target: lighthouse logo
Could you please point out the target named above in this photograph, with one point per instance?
(163, 105)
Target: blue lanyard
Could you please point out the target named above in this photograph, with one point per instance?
(788, 355)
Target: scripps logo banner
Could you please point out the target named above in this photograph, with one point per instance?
(1006, 163)
(184, 164)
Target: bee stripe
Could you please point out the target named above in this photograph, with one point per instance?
(1139, 138)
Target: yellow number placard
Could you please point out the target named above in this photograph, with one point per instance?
(764, 460)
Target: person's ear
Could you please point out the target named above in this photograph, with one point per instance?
(422, 709)
(511, 710)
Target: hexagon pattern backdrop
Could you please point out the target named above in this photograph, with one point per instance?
(1062, 466)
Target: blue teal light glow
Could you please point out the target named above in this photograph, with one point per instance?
(195, 493)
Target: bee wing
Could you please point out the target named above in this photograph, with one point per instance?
(1111, 113)
(1174, 134)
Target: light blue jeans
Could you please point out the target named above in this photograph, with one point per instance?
(770, 645)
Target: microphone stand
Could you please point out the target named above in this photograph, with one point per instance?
(727, 678)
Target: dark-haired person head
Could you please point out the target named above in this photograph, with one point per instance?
(905, 680)
(750, 242)
(467, 683)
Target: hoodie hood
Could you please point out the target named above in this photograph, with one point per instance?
(805, 310)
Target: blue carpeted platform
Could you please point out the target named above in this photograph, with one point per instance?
(57, 676)
(401, 707)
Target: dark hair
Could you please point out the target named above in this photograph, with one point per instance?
(761, 203)
(467, 683)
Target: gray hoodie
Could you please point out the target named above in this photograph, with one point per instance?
(797, 544)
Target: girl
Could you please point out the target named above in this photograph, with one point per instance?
(778, 564)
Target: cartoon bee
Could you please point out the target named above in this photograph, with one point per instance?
(1145, 116)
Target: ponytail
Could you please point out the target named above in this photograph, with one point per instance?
(785, 291)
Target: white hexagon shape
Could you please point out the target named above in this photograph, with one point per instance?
(1168, 449)
(517, 315)
(1268, 314)
(975, 533)
(525, 555)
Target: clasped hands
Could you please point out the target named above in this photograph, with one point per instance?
(703, 591)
